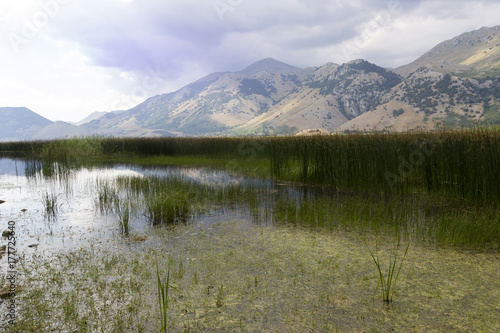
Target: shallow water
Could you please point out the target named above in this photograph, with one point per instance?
(274, 278)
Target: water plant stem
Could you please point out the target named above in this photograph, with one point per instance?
(388, 282)
(163, 297)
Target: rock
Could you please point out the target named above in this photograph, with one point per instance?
(3, 248)
(5, 292)
(140, 239)
(2, 201)
(24, 210)
(7, 233)
(33, 245)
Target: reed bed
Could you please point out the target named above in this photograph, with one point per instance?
(458, 164)
(174, 199)
(459, 170)
(461, 164)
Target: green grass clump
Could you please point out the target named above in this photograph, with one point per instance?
(168, 207)
(388, 282)
(107, 197)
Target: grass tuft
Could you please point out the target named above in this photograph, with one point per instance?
(388, 282)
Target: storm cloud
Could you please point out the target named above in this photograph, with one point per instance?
(119, 43)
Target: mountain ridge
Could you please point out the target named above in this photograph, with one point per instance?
(454, 84)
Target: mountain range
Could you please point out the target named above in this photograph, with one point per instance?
(454, 84)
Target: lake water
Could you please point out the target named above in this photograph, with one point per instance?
(273, 279)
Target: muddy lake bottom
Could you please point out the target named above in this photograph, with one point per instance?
(79, 273)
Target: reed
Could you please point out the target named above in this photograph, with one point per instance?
(460, 164)
(107, 197)
(456, 164)
(388, 281)
(163, 287)
(51, 205)
(123, 210)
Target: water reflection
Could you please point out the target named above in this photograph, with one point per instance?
(11, 167)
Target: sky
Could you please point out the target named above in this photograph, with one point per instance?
(65, 59)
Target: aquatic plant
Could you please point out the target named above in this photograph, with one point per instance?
(51, 206)
(163, 296)
(107, 197)
(388, 282)
(168, 207)
(71, 149)
(123, 211)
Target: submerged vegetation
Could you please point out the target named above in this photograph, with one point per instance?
(274, 279)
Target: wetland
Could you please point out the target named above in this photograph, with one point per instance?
(254, 234)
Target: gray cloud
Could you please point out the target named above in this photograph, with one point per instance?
(133, 36)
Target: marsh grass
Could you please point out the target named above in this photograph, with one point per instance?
(461, 164)
(168, 207)
(50, 205)
(123, 210)
(107, 197)
(456, 164)
(163, 296)
(176, 199)
(387, 281)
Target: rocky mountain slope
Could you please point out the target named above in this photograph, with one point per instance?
(474, 54)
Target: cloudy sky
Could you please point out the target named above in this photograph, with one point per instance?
(65, 59)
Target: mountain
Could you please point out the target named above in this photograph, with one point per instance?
(456, 83)
(19, 123)
(324, 98)
(474, 54)
(269, 65)
(94, 116)
(267, 97)
(58, 130)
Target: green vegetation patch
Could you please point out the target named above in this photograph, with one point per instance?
(492, 114)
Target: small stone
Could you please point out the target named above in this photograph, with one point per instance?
(24, 210)
(3, 248)
(140, 239)
(33, 245)
(7, 233)
(6, 291)
(2, 201)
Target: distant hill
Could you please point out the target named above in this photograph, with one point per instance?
(95, 115)
(474, 54)
(60, 129)
(19, 123)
